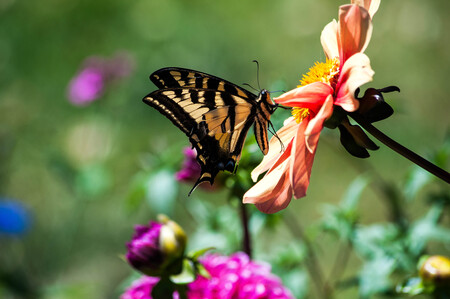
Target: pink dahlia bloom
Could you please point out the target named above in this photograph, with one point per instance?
(237, 277)
(142, 288)
(326, 86)
(233, 277)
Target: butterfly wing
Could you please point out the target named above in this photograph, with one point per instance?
(174, 77)
(215, 121)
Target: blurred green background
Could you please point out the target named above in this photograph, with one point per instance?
(77, 168)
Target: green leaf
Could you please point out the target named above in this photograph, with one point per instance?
(187, 275)
(412, 286)
(201, 270)
(352, 196)
(417, 179)
(374, 277)
(194, 255)
(426, 229)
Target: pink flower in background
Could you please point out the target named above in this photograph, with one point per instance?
(233, 277)
(190, 170)
(142, 288)
(237, 277)
(95, 77)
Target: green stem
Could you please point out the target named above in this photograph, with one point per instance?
(246, 241)
(311, 263)
(405, 152)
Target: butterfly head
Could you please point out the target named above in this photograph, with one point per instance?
(266, 102)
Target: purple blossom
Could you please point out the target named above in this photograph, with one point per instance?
(144, 249)
(190, 170)
(96, 76)
(142, 288)
(234, 277)
(157, 248)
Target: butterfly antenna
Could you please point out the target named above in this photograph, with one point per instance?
(272, 130)
(257, 72)
(277, 91)
(250, 86)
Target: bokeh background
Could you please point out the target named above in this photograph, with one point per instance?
(86, 174)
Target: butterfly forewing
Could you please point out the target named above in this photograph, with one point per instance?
(172, 77)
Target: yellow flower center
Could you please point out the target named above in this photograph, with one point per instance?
(326, 72)
(300, 114)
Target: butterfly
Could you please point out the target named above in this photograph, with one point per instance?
(214, 114)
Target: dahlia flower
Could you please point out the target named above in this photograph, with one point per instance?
(325, 87)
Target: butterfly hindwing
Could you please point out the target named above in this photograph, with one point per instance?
(214, 113)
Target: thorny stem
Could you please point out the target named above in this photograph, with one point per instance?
(408, 154)
(311, 263)
(246, 242)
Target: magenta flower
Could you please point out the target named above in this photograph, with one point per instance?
(158, 248)
(142, 288)
(190, 170)
(233, 277)
(96, 75)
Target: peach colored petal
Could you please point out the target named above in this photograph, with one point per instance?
(309, 96)
(370, 5)
(328, 38)
(300, 164)
(355, 72)
(278, 203)
(270, 186)
(315, 126)
(355, 30)
(286, 133)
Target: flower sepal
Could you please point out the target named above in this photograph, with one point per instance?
(338, 116)
(372, 105)
(355, 141)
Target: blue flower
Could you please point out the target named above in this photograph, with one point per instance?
(14, 218)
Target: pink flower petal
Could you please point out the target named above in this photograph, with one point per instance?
(355, 30)
(310, 96)
(280, 202)
(304, 149)
(355, 72)
(301, 163)
(315, 126)
(286, 134)
(370, 5)
(328, 38)
(270, 186)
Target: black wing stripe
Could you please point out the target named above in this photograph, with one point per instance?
(260, 129)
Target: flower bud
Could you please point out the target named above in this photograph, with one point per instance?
(372, 105)
(157, 249)
(435, 271)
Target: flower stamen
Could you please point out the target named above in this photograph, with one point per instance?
(300, 114)
(326, 72)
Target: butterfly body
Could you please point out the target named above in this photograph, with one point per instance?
(214, 113)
